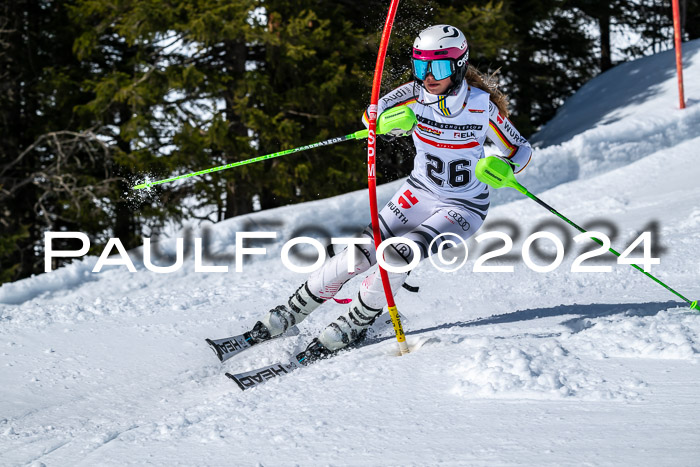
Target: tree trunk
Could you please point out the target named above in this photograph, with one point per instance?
(684, 12)
(605, 52)
(238, 197)
(523, 74)
(125, 226)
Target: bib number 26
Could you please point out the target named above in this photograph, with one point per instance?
(458, 172)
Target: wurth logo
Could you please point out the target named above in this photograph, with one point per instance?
(499, 119)
(407, 200)
(397, 212)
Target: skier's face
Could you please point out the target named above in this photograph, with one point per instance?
(434, 86)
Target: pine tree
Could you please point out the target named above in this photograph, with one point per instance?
(603, 13)
(52, 173)
(551, 57)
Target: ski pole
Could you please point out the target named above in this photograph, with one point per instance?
(398, 121)
(497, 173)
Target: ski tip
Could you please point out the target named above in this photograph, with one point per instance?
(240, 385)
(695, 306)
(216, 350)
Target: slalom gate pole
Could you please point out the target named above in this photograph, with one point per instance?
(372, 171)
(677, 39)
(357, 135)
(496, 173)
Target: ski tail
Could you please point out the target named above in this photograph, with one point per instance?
(253, 378)
(230, 346)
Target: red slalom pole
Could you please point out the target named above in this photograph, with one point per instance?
(679, 52)
(372, 170)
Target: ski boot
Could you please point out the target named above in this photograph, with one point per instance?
(350, 327)
(299, 306)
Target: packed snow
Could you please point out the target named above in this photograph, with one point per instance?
(518, 368)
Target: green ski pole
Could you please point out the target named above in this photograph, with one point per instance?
(399, 122)
(497, 173)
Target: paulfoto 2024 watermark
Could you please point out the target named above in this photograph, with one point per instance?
(439, 246)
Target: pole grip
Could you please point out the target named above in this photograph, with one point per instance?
(361, 134)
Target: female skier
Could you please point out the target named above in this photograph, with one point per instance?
(456, 110)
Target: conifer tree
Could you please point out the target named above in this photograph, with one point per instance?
(53, 170)
(551, 57)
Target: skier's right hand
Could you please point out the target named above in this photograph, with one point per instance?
(392, 134)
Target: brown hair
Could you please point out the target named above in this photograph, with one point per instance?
(488, 83)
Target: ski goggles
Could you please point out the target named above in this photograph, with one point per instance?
(440, 69)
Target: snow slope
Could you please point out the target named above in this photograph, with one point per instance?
(520, 368)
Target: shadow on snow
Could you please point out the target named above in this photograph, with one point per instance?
(575, 324)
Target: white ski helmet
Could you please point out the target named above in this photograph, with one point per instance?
(444, 50)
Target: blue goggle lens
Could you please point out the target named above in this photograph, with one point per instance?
(440, 69)
(420, 69)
